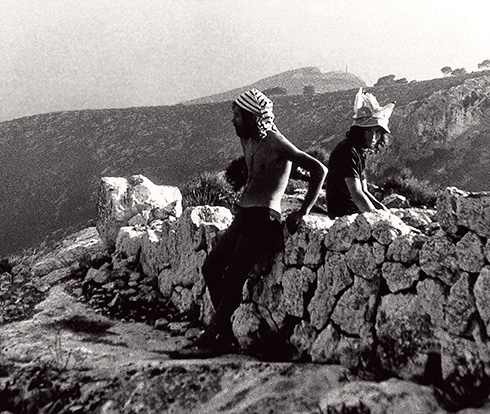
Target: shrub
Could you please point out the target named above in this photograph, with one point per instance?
(236, 173)
(209, 188)
(294, 185)
(322, 155)
(277, 90)
(419, 193)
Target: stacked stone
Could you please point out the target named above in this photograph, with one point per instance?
(124, 294)
(173, 252)
(141, 224)
(363, 290)
(371, 288)
(18, 296)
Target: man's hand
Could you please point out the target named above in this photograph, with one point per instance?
(293, 221)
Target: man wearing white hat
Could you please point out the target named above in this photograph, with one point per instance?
(257, 227)
(347, 191)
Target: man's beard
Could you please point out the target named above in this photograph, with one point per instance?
(245, 131)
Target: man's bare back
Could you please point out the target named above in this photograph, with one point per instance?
(268, 172)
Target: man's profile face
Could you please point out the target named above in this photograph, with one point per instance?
(243, 124)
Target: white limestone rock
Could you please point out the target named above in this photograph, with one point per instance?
(470, 253)
(395, 201)
(379, 253)
(325, 345)
(166, 282)
(487, 250)
(388, 228)
(205, 223)
(245, 324)
(57, 276)
(169, 253)
(447, 209)
(332, 279)
(391, 396)
(362, 261)
(303, 337)
(381, 225)
(362, 227)
(460, 358)
(481, 290)
(268, 294)
(339, 237)
(456, 209)
(348, 352)
(406, 248)
(438, 258)
(176, 249)
(304, 248)
(182, 298)
(399, 277)
(431, 298)
(122, 199)
(128, 241)
(354, 308)
(460, 306)
(473, 212)
(158, 249)
(296, 282)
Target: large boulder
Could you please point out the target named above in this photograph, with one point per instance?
(304, 248)
(458, 210)
(133, 201)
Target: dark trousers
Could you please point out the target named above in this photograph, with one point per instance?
(255, 231)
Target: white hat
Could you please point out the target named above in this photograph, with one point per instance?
(369, 113)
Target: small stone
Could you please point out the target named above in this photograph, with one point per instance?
(192, 333)
(178, 327)
(115, 301)
(161, 323)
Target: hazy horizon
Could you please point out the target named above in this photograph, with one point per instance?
(107, 53)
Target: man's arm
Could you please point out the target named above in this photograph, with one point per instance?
(317, 171)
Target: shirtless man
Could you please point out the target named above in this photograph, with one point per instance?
(257, 226)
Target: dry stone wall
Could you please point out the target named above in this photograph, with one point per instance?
(380, 290)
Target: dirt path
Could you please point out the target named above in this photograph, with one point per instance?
(109, 364)
(67, 358)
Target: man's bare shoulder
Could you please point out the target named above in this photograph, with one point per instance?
(277, 139)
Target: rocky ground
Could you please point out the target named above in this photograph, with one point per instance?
(75, 340)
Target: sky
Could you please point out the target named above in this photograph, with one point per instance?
(63, 55)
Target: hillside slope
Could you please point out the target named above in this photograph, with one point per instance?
(50, 164)
(293, 83)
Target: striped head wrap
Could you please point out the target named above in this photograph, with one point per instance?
(257, 103)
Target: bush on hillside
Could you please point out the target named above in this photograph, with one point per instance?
(419, 193)
(277, 90)
(295, 185)
(236, 173)
(209, 188)
(321, 154)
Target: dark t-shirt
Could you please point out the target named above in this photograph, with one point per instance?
(345, 161)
